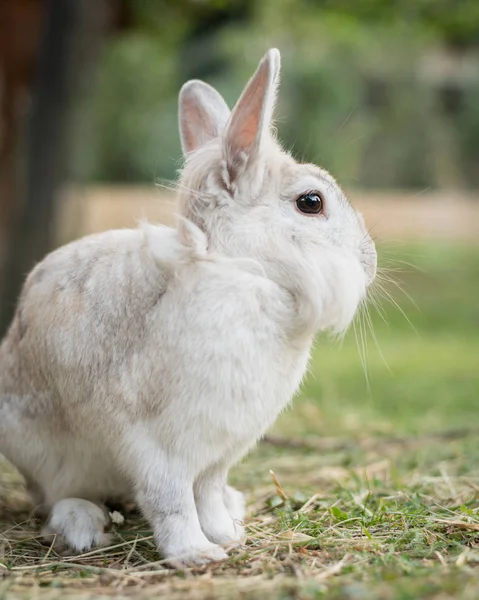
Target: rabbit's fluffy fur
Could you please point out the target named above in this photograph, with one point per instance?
(144, 363)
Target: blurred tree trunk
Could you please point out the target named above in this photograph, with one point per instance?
(31, 228)
(20, 25)
(71, 36)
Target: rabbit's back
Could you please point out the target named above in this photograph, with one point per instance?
(81, 307)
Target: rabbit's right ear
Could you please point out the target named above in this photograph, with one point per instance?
(252, 116)
(202, 114)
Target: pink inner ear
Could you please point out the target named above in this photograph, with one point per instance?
(246, 122)
(203, 113)
(199, 125)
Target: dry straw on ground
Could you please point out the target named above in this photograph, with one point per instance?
(361, 520)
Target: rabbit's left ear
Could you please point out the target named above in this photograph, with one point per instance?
(251, 118)
(202, 114)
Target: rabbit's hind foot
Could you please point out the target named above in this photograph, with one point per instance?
(75, 526)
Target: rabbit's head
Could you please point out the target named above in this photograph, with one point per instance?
(252, 199)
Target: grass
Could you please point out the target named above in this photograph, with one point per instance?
(375, 486)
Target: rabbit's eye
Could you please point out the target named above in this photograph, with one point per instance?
(310, 203)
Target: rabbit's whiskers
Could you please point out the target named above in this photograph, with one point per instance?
(379, 292)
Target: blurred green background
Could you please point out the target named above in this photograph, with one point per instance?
(384, 94)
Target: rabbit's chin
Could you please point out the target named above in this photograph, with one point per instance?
(341, 287)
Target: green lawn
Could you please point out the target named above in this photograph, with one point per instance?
(377, 477)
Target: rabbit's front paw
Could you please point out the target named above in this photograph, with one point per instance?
(220, 510)
(190, 557)
(223, 531)
(76, 526)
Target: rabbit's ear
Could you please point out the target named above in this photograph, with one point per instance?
(251, 117)
(202, 114)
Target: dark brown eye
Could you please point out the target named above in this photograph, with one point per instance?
(310, 203)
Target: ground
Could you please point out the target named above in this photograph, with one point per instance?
(375, 483)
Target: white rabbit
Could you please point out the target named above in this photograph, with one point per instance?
(144, 363)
